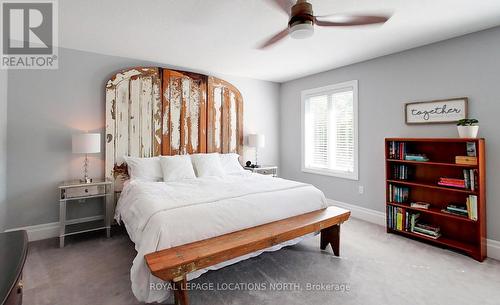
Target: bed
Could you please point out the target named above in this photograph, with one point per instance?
(161, 215)
(152, 111)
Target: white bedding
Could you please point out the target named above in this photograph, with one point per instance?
(160, 215)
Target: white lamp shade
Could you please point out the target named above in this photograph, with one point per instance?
(86, 143)
(256, 140)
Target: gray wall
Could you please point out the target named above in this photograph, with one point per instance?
(3, 146)
(464, 66)
(47, 107)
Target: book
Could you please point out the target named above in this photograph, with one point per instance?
(454, 213)
(430, 236)
(424, 231)
(455, 209)
(427, 227)
(416, 157)
(453, 182)
(399, 225)
(472, 177)
(420, 205)
(471, 204)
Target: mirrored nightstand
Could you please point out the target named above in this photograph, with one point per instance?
(271, 170)
(74, 191)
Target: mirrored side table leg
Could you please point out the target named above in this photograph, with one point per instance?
(62, 221)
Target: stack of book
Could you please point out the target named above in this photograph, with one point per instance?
(397, 150)
(427, 230)
(472, 207)
(398, 193)
(400, 172)
(456, 210)
(453, 182)
(416, 157)
(470, 178)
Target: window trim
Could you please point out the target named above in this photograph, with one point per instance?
(328, 172)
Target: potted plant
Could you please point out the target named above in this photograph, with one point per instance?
(467, 128)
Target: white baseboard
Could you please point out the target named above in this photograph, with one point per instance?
(39, 232)
(50, 230)
(378, 218)
(365, 214)
(493, 248)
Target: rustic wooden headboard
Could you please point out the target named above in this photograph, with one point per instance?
(152, 111)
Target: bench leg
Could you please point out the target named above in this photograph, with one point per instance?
(181, 292)
(331, 236)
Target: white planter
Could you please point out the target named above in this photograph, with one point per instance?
(468, 131)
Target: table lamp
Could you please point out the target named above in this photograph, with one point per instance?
(86, 143)
(257, 141)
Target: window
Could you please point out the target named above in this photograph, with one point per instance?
(330, 130)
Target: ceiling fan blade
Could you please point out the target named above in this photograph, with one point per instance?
(274, 39)
(284, 5)
(347, 20)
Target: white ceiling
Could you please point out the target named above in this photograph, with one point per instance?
(220, 36)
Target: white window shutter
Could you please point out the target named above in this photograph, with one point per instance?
(329, 130)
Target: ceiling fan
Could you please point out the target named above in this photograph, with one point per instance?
(302, 21)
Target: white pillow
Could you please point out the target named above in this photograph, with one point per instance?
(176, 168)
(148, 169)
(207, 165)
(230, 163)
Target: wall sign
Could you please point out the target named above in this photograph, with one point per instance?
(435, 112)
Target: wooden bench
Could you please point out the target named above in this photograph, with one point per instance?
(175, 263)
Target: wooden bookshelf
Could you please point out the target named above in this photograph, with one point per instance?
(458, 233)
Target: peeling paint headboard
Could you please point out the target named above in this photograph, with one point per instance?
(151, 111)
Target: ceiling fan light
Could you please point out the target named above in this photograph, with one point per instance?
(301, 30)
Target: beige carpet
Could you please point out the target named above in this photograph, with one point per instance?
(374, 268)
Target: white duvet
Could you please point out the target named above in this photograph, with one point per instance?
(160, 215)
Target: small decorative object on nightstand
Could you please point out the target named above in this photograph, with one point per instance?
(86, 143)
(81, 191)
(271, 170)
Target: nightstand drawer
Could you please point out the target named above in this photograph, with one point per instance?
(83, 191)
(266, 171)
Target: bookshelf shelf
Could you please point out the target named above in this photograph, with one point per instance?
(432, 186)
(431, 163)
(434, 211)
(444, 241)
(456, 232)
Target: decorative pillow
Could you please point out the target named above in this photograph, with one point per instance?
(207, 165)
(176, 168)
(230, 163)
(148, 169)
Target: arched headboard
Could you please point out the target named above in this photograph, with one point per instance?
(152, 111)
